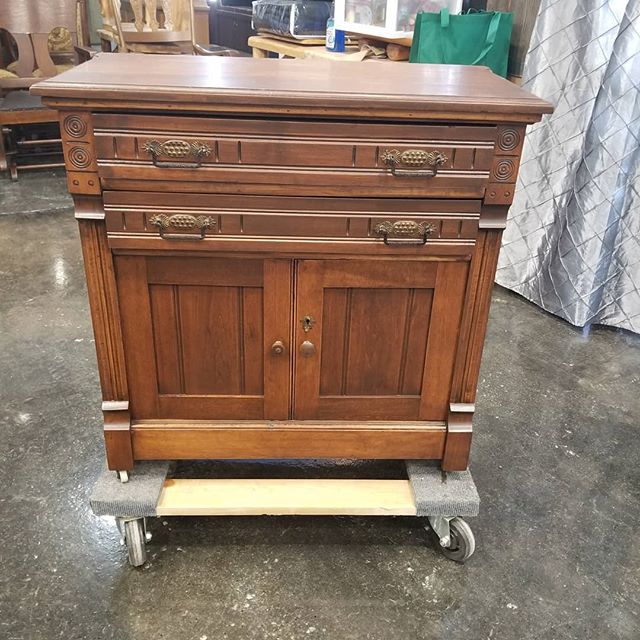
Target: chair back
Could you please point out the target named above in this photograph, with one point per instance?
(39, 29)
(154, 26)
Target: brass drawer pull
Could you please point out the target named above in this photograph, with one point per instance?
(177, 149)
(182, 221)
(404, 232)
(413, 162)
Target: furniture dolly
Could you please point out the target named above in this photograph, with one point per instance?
(442, 498)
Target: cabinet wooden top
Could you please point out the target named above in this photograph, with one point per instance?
(302, 87)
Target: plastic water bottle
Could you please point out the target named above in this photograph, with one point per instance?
(335, 37)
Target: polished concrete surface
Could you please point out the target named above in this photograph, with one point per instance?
(556, 461)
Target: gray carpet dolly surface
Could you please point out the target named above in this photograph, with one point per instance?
(442, 498)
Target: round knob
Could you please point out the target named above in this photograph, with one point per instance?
(277, 348)
(307, 348)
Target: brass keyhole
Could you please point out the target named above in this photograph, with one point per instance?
(307, 323)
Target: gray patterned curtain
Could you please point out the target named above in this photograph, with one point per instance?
(572, 244)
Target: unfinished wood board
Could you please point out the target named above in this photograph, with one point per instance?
(201, 497)
(297, 50)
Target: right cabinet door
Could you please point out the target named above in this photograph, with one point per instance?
(376, 339)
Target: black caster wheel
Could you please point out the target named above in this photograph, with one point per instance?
(462, 541)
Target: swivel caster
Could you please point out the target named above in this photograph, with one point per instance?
(456, 539)
(123, 476)
(134, 537)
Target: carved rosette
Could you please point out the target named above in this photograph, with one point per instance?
(77, 142)
(504, 170)
(509, 139)
(75, 126)
(79, 157)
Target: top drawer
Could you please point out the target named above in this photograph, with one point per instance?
(211, 154)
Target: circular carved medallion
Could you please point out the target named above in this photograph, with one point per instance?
(509, 139)
(75, 126)
(504, 170)
(79, 157)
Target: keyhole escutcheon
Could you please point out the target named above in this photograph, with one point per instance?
(307, 323)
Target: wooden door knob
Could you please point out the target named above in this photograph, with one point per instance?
(277, 348)
(307, 348)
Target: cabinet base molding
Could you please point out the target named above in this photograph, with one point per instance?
(251, 440)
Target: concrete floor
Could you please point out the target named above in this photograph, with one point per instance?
(555, 460)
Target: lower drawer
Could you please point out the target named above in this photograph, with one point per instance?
(204, 222)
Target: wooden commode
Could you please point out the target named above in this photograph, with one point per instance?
(288, 259)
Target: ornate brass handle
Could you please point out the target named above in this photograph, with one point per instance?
(412, 162)
(182, 221)
(404, 232)
(177, 149)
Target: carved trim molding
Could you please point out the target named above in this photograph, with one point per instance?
(115, 405)
(83, 183)
(499, 193)
(103, 302)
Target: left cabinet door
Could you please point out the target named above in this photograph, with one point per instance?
(206, 338)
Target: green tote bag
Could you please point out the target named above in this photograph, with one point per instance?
(472, 38)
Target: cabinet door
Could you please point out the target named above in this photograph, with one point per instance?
(376, 340)
(199, 336)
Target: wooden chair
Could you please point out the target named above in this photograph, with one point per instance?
(40, 40)
(49, 38)
(157, 26)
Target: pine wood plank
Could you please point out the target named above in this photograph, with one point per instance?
(286, 497)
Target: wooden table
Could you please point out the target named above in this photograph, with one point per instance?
(289, 260)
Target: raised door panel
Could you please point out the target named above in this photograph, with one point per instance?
(198, 335)
(376, 340)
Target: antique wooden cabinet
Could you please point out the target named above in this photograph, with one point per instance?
(288, 258)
